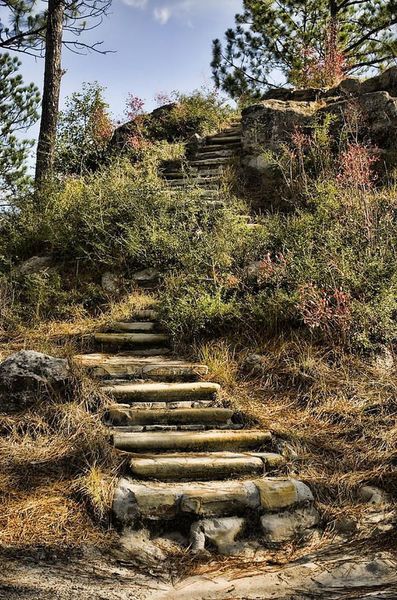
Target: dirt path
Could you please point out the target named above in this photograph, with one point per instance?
(330, 577)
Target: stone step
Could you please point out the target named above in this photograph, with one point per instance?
(195, 177)
(145, 315)
(220, 147)
(120, 416)
(192, 185)
(224, 139)
(143, 351)
(134, 327)
(210, 161)
(216, 465)
(230, 131)
(228, 148)
(181, 404)
(132, 339)
(166, 392)
(191, 442)
(194, 427)
(209, 153)
(129, 366)
(162, 501)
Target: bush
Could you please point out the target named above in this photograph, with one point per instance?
(178, 117)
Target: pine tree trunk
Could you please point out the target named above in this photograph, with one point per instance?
(51, 91)
(333, 10)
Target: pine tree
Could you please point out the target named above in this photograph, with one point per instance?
(83, 132)
(286, 37)
(30, 31)
(18, 111)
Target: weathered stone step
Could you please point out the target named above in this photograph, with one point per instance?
(209, 161)
(145, 315)
(172, 428)
(220, 147)
(182, 404)
(191, 442)
(166, 392)
(211, 171)
(192, 185)
(164, 501)
(217, 465)
(120, 416)
(224, 139)
(134, 327)
(132, 339)
(234, 147)
(129, 366)
(210, 153)
(233, 130)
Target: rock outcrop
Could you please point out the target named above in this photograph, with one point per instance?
(24, 374)
(269, 125)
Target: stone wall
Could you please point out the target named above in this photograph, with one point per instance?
(270, 123)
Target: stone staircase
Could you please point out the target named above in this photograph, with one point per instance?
(208, 159)
(192, 465)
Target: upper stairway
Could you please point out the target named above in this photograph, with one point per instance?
(207, 162)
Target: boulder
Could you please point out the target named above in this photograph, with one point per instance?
(111, 282)
(286, 526)
(254, 365)
(27, 372)
(373, 495)
(266, 126)
(146, 279)
(379, 117)
(35, 264)
(222, 533)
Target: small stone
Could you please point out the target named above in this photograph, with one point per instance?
(35, 264)
(373, 495)
(148, 278)
(276, 493)
(133, 544)
(220, 532)
(254, 364)
(111, 282)
(284, 527)
(345, 525)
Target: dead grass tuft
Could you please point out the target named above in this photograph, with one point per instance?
(220, 357)
(337, 412)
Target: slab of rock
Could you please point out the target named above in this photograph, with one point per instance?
(373, 495)
(147, 279)
(24, 374)
(284, 527)
(379, 112)
(111, 282)
(35, 264)
(161, 501)
(222, 533)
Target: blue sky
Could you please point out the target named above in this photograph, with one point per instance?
(160, 46)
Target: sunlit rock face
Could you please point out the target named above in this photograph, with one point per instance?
(268, 126)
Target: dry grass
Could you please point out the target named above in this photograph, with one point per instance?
(65, 338)
(337, 411)
(220, 357)
(57, 468)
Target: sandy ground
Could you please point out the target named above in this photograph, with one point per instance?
(329, 577)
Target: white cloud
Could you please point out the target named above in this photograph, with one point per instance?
(184, 10)
(136, 3)
(162, 14)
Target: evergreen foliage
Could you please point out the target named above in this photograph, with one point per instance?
(18, 111)
(84, 130)
(289, 35)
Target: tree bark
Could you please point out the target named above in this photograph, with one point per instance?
(51, 91)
